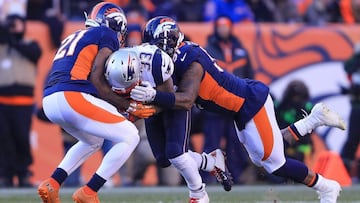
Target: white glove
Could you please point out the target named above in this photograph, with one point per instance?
(143, 92)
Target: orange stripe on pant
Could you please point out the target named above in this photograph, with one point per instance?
(77, 101)
(264, 128)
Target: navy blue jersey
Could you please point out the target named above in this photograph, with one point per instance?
(73, 61)
(220, 91)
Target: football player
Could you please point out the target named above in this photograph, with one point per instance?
(169, 146)
(78, 98)
(200, 80)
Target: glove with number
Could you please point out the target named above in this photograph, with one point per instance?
(140, 110)
(143, 92)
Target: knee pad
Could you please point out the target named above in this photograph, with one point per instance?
(174, 150)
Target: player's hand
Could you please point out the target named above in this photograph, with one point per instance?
(143, 92)
(140, 110)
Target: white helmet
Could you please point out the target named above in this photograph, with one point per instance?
(122, 70)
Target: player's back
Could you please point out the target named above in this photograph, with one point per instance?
(220, 91)
(73, 61)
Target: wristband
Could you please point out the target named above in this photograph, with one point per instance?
(164, 99)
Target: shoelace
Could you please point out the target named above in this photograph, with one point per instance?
(305, 114)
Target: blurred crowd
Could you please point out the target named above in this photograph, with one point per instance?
(222, 45)
(313, 12)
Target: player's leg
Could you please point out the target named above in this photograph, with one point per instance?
(155, 132)
(177, 127)
(348, 152)
(263, 141)
(70, 111)
(214, 160)
(320, 115)
(110, 125)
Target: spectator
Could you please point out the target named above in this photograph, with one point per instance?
(262, 9)
(295, 100)
(48, 13)
(237, 10)
(321, 12)
(285, 11)
(228, 50)
(189, 10)
(18, 59)
(352, 68)
(231, 55)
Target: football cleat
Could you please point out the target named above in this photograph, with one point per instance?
(80, 196)
(330, 193)
(220, 171)
(204, 199)
(199, 196)
(322, 115)
(48, 192)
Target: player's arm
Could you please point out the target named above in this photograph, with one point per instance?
(167, 86)
(189, 86)
(183, 98)
(98, 79)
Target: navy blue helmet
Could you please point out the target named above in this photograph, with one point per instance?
(163, 32)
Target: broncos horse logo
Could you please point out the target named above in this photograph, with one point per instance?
(281, 50)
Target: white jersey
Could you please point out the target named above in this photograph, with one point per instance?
(157, 66)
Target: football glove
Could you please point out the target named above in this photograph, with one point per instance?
(140, 110)
(143, 92)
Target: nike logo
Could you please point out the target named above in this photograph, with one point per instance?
(183, 58)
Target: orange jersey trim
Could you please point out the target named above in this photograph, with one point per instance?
(81, 69)
(82, 106)
(17, 100)
(210, 90)
(264, 128)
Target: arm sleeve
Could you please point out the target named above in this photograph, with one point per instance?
(30, 50)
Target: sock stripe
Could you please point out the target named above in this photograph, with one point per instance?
(294, 132)
(313, 180)
(205, 162)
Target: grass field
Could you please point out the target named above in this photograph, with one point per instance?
(244, 194)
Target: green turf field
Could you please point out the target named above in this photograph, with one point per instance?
(258, 194)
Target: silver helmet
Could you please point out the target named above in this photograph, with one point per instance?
(122, 70)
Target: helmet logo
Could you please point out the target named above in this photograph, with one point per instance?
(164, 27)
(130, 70)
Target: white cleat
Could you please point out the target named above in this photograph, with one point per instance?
(322, 115)
(204, 199)
(200, 196)
(219, 159)
(330, 193)
(219, 171)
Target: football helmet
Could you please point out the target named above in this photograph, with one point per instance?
(122, 70)
(163, 32)
(109, 15)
